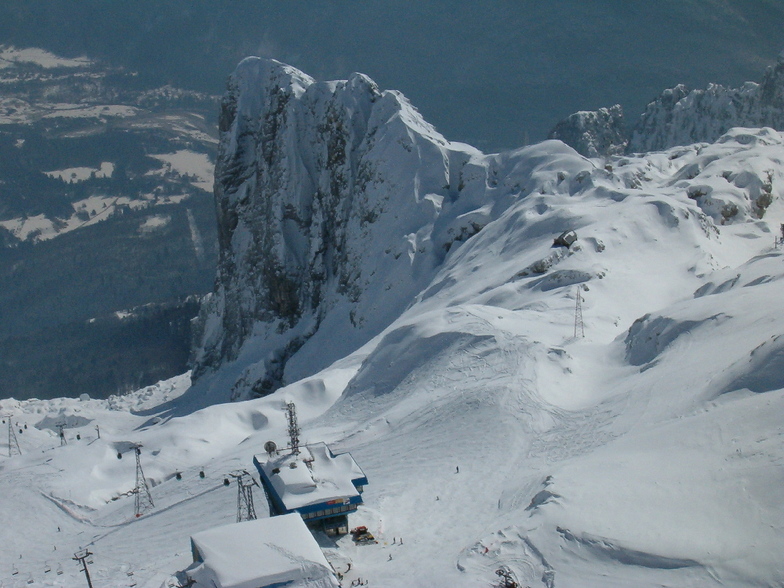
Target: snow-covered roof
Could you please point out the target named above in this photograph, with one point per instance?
(317, 476)
(260, 553)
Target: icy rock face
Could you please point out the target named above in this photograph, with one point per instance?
(594, 133)
(678, 117)
(335, 203)
(682, 117)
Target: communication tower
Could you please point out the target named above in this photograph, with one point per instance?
(291, 412)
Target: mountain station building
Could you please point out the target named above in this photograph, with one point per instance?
(263, 553)
(319, 485)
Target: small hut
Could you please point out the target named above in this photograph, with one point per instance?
(565, 239)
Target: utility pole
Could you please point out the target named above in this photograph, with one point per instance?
(81, 556)
(245, 483)
(13, 443)
(291, 412)
(579, 327)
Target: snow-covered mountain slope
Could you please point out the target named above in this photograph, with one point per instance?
(336, 203)
(646, 453)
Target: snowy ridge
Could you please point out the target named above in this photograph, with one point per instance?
(336, 203)
(682, 117)
(679, 116)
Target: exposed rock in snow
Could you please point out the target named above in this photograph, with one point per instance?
(594, 133)
(336, 204)
(679, 116)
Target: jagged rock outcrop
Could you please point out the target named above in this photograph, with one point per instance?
(337, 204)
(680, 117)
(593, 133)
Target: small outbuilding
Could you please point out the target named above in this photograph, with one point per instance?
(263, 553)
(319, 485)
(565, 239)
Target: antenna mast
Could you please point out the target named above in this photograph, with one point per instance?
(13, 443)
(291, 412)
(579, 327)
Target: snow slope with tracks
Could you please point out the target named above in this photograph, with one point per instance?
(646, 453)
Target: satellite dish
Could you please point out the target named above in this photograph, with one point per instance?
(270, 447)
(119, 455)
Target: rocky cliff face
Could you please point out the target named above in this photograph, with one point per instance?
(336, 201)
(593, 133)
(680, 117)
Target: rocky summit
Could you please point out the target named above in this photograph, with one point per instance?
(678, 116)
(336, 205)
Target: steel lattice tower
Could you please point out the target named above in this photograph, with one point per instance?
(291, 412)
(579, 327)
(61, 432)
(245, 483)
(13, 442)
(142, 497)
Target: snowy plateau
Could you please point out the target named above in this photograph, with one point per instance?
(614, 408)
